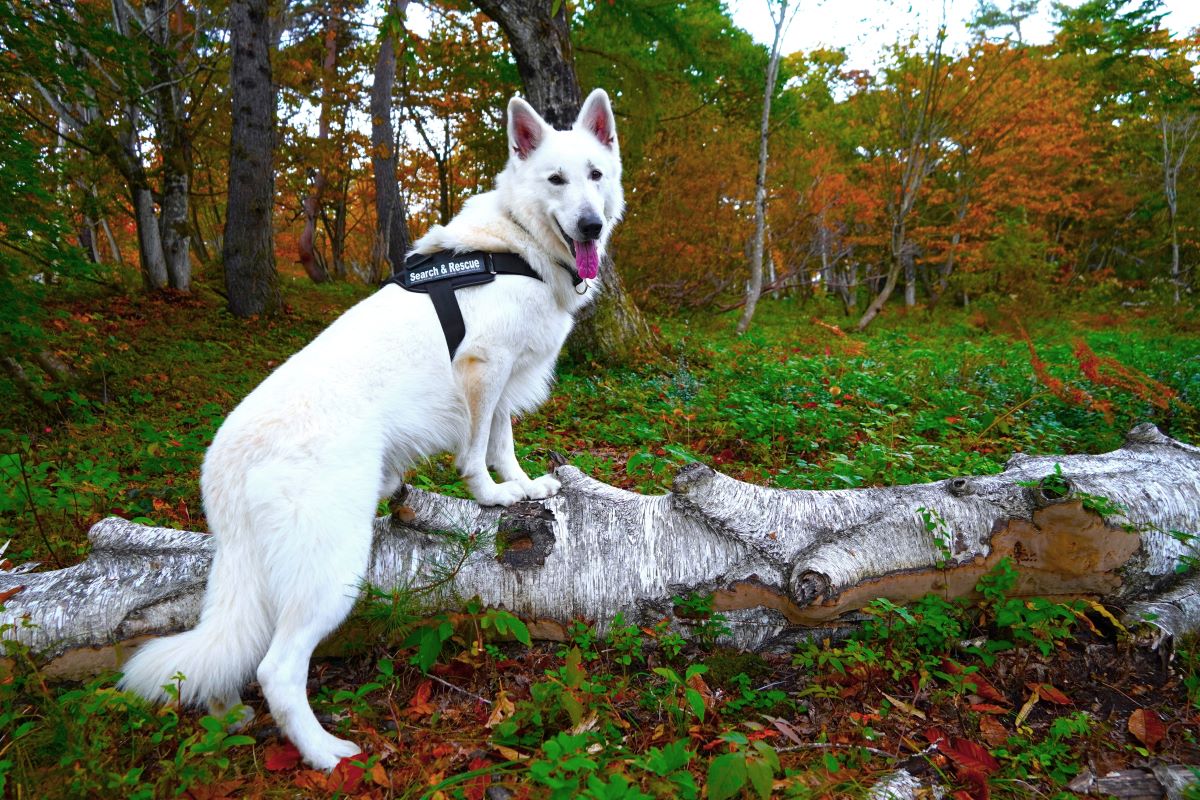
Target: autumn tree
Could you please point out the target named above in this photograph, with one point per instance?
(1142, 77)
(913, 124)
(781, 19)
(103, 76)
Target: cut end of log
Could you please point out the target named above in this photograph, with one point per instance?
(1065, 550)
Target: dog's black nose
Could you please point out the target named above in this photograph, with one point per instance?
(590, 227)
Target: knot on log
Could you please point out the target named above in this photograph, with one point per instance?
(960, 487)
(525, 535)
(807, 587)
(690, 475)
(1051, 490)
(1146, 433)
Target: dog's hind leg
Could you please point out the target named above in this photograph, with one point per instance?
(314, 591)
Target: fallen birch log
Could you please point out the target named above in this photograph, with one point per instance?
(777, 562)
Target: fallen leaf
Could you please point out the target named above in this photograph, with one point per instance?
(1147, 726)
(1050, 694)
(281, 756)
(379, 776)
(509, 754)
(311, 779)
(907, 708)
(987, 708)
(346, 776)
(1025, 709)
(786, 729)
(419, 706)
(985, 689)
(10, 592)
(992, 731)
(502, 709)
(969, 755)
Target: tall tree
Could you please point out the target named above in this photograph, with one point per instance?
(310, 256)
(920, 123)
(390, 213)
(781, 22)
(115, 75)
(1144, 74)
(251, 282)
(611, 329)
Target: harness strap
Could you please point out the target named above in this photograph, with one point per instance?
(441, 274)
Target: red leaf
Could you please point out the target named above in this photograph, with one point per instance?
(419, 706)
(1147, 726)
(935, 736)
(346, 776)
(987, 708)
(281, 756)
(976, 782)
(311, 779)
(984, 689)
(970, 756)
(992, 731)
(1049, 693)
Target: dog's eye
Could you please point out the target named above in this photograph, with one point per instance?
(557, 180)
(596, 175)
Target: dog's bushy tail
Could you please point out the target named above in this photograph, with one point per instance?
(219, 655)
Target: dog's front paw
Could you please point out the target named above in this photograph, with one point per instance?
(500, 494)
(543, 487)
(329, 752)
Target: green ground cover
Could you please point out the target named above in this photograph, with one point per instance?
(639, 713)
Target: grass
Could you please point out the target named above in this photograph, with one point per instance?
(795, 404)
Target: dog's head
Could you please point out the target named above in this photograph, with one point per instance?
(570, 179)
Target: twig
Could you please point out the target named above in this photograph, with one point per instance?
(834, 746)
(33, 509)
(450, 685)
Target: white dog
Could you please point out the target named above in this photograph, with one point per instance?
(294, 475)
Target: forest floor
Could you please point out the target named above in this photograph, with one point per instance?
(1042, 691)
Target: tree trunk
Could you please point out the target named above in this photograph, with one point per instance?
(251, 281)
(778, 563)
(754, 288)
(150, 250)
(611, 330)
(921, 126)
(390, 214)
(1178, 133)
(174, 145)
(313, 265)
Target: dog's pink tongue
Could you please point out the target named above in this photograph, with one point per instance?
(587, 259)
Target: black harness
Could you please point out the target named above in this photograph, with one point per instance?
(440, 274)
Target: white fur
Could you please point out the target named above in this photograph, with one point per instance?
(293, 476)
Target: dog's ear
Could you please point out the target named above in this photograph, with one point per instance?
(596, 117)
(526, 129)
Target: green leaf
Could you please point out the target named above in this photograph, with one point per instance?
(696, 701)
(761, 776)
(668, 674)
(726, 775)
(520, 631)
(573, 671)
(768, 754)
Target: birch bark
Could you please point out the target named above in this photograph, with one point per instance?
(778, 563)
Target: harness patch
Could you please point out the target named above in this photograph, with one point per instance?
(436, 272)
(439, 275)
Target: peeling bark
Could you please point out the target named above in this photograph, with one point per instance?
(777, 562)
